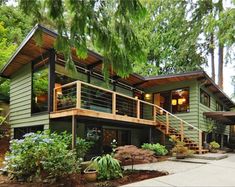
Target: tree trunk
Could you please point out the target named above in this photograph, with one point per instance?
(221, 66)
(221, 53)
(212, 57)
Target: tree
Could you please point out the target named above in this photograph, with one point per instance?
(170, 38)
(81, 22)
(13, 28)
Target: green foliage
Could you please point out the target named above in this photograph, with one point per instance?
(41, 155)
(13, 28)
(108, 167)
(158, 149)
(179, 147)
(82, 147)
(214, 145)
(80, 23)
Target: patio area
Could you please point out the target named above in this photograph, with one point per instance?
(211, 173)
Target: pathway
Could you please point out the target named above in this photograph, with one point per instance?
(215, 173)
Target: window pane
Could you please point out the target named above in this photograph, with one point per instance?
(204, 98)
(180, 100)
(40, 87)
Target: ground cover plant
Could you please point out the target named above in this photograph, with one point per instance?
(159, 150)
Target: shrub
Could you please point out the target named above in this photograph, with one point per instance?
(82, 147)
(130, 154)
(214, 145)
(157, 148)
(41, 155)
(179, 148)
(108, 167)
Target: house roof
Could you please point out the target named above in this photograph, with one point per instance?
(28, 51)
(200, 75)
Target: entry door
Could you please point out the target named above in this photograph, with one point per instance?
(163, 99)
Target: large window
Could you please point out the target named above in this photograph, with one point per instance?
(180, 100)
(40, 87)
(204, 98)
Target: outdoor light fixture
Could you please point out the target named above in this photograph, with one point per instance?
(174, 102)
(147, 96)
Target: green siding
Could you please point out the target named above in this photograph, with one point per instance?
(204, 122)
(192, 116)
(195, 117)
(20, 100)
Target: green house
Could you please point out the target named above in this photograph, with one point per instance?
(134, 110)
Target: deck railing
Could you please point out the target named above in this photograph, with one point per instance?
(83, 95)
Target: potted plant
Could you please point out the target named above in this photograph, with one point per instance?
(180, 151)
(90, 173)
(214, 146)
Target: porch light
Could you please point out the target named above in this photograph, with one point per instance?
(174, 102)
(148, 96)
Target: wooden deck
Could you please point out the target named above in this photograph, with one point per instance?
(100, 115)
(80, 99)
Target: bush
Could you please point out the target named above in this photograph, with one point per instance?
(214, 145)
(130, 154)
(108, 167)
(158, 149)
(82, 147)
(41, 155)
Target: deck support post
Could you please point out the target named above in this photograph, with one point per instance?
(74, 131)
(150, 134)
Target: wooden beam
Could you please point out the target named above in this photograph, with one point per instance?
(101, 115)
(208, 85)
(200, 142)
(138, 109)
(74, 131)
(139, 84)
(93, 65)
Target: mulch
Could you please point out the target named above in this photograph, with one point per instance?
(79, 181)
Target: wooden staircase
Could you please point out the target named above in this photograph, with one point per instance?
(164, 125)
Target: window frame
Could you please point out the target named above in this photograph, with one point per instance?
(182, 88)
(205, 94)
(32, 72)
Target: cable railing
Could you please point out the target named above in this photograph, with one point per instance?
(86, 96)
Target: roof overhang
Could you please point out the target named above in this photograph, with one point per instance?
(226, 118)
(30, 51)
(200, 76)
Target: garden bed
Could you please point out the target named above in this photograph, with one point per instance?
(78, 180)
